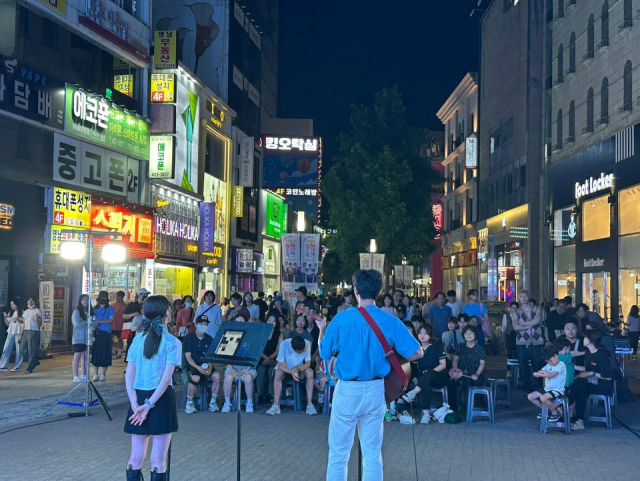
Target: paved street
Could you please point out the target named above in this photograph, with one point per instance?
(292, 446)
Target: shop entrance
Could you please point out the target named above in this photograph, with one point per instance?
(596, 292)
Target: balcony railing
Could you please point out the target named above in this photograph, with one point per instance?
(604, 43)
(602, 121)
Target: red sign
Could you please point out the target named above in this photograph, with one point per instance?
(136, 229)
(438, 218)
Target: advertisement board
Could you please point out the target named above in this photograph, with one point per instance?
(187, 138)
(246, 161)
(237, 201)
(93, 118)
(123, 84)
(135, 228)
(245, 261)
(215, 191)
(71, 208)
(45, 295)
(161, 164)
(163, 87)
(207, 226)
(204, 49)
(271, 252)
(275, 216)
(165, 49)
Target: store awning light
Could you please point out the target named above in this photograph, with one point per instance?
(72, 250)
(373, 246)
(114, 253)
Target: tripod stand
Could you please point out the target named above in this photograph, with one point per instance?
(89, 386)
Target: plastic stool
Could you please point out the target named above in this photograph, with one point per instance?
(295, 402)
(472, 411)
(515, 371)
(495, 384)
(564, 424)
(201, 390)
(594, 400)
(444, 392)
(614, 401)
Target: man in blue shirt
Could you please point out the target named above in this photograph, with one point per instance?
(360, 366)
(439, 315)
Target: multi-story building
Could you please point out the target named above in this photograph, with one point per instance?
(510, 149)
(591, 126)
(458, 207)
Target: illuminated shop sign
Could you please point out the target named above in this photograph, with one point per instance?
(289, 192)
(71, 208)
(163, 87)
(289, 143)
(7, 213)
(173, 228)
(593, 185)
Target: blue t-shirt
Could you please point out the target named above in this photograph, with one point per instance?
(439, 317)
(359, 352)
(104, 314)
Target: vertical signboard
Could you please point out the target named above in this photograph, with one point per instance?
(366, 261)
(187, 138)
(245, 261)
(165, 49)
(246, 161)
(161, 165)
(471, 153)
(215, 191)
(237, 201)
(378, 263)
(309, 255)
(46, 308)
(207, 226)
(275, 216)
(290, 259)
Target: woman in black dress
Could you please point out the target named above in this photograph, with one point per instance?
(151, 360)
(268, 358)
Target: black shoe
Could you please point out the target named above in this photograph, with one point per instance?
(134, 474)
(156, 476)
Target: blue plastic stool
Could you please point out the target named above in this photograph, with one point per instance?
(472, 411)
(594, 400)
(564, 424)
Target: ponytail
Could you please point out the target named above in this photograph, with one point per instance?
(154, 309)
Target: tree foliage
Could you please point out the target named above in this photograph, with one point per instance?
(380, 187)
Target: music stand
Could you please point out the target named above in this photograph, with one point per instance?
(239, 344)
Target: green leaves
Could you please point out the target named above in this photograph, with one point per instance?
(380, 187)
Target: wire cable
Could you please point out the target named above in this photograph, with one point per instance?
(413, 439)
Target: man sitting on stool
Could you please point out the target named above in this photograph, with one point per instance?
(194, 346)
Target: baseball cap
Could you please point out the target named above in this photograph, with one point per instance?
(302, 290)
(202, 318)
(142, 291)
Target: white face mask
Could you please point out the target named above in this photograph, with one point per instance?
(202, 328)
(188, 304)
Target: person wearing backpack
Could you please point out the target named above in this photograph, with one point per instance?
(212, 310)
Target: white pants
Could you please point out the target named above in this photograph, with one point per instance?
(358, 404)
(6, 352)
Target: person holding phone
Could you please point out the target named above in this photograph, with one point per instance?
(13, 321)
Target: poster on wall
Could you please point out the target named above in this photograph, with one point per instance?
(204, 42)
(271, 255)
(187, 138)
(365, 261)
(215, 191)
(408, 279)
(290, 263)
(45, 294)
(245, 261)
(275, 216)
(310, 253)
(59, 313)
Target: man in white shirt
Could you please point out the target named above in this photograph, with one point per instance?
(29, 337)
(212, 311)
(294, 359)
(455, 305)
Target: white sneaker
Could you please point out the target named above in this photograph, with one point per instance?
(578, 425)
(273, 410)
(425, 419)
(102, 378)
(190, 408)
(249, 407)
(76, 379)
(311, 410)
(15, 370)
(95, 377)
(227, 408)
(405, 418)
(213, 406)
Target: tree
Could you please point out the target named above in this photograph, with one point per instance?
(380, 187)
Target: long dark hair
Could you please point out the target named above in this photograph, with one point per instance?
(633, 312)
(16, 301)
(276, 327)
(152, 308)
(80, 307)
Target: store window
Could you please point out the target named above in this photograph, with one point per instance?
(565, 227)
(510, 261)
(113, 278)
(596, 221)
(629, 210)
(215, 154)
(565, 271)
(629, 272)
(173, 282)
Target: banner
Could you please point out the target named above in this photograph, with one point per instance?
(290, 260)
(45, 293)
(398, 271)
(310, 253)
(275, 223)
(207, 224)
(378, 263)
(245, 261)
(366, 262)
(408, 279)
(246, 161)
(237, 201)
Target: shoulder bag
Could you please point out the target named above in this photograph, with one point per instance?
(396, 381)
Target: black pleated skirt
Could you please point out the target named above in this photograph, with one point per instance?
(101, 349)
(162, 419)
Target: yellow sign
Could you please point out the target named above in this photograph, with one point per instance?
(57, 236)
(71, 208)
(163, 87)
(237, 201)
(7, 212)
(123, 84)
(165, 51)
(59, 6)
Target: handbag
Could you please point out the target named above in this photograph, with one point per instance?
(396, 381)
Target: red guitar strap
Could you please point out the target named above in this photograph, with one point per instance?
(389, 353)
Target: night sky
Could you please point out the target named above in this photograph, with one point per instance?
(334, 53)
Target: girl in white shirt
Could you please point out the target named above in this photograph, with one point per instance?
(13, 320)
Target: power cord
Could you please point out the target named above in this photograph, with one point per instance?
(413, 439)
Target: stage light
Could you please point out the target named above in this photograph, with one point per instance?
(114, 252)
(72, 250)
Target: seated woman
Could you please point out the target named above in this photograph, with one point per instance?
(470, 359)
(302, 324)
(597, 378)
(475, 323)
(268, 358)
(452, 337)
(432, 371)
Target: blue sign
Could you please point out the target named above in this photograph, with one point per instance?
(207, 227)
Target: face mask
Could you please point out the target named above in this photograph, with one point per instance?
(188, 304)
(202, 328)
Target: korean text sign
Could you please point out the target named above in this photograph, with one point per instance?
(71, 208)
(275, 225)
(165, 51)
(95, 119)
(135, 228)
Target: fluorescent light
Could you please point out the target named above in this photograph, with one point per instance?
(301, 223)
(373, 246)
(114, 253)
(72, 250)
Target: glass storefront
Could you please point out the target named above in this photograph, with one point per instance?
(565, 271)
(629, 246)
(596, 292)
(596, 219)
(173, 282)
(510, 257)
(113, 278)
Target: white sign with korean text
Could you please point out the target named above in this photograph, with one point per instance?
(246, 161)
(85, 165)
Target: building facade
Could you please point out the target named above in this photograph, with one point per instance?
(510, 150)
(591, 132)
(458, 207)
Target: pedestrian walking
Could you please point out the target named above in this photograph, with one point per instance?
(101, 355)
(13, 321)
(151, 360)
(29, 337)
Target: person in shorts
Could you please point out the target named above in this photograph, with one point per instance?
(554, 375)
(234, 373)
(195, 345)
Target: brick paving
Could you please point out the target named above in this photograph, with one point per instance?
(293, 447)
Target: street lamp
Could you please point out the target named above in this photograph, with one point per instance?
(373, 246)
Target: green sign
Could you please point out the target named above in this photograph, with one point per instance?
(95, 119)
(275, 216)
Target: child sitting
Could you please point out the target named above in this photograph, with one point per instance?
(564, 347)
(554, 375)
(324, 374)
